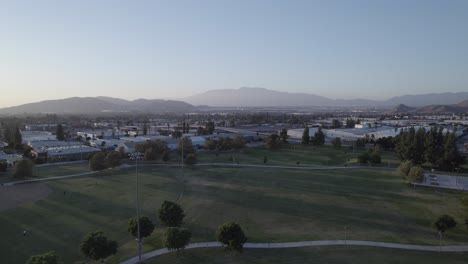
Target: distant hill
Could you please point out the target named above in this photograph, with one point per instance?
(400, 109)
(428, 99)
(254, 97)
(259, 97)
(463, 103)
(442, 109)
(97, 105)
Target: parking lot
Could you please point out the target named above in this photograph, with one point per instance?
(445, 181)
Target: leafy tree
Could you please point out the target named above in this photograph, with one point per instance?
(187, 145)
(190, 159)
(96, 246)
(273, 141)
(442, 224)
(364, 158)
(60, 135)
(171, 214)
(112, 159)
(153, 150)
(305, 136)
(176, 238)
(166, 156)
(231, 235)
(336, 123)
(319, 137)
(123, 153)
(405, 167)
(23, 168)
(18, 138)
(336, 142)
(46, 258)
(146, 226)
(98, 161)
(238, 142)
(3, 165)
(210, 144)
(210, 127)
(350, 123)
(360, 143)
(416, 174)
(284, 135)
(375, 157)
(145, 129)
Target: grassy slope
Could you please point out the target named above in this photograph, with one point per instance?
(329, 255)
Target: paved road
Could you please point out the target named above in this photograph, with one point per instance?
(163, 251)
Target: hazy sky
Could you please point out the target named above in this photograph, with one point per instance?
(170, 49)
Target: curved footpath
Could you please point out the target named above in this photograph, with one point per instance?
(163, 251)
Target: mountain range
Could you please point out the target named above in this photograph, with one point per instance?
(98, 105)
(242, 97)
(261, 97)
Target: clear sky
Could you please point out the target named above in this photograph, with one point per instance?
(171, 49)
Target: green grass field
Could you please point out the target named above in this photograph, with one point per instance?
(319, 255)
(271, 205)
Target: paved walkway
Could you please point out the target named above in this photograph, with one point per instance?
(163, 251)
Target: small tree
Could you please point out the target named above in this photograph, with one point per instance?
(363, 158)
(191, 159)
(336, 142)
(405, 167)
(416, 174)
(171, 214)
(305, 136)
(238, 142)
(60, 135)
(442, 224)
(284, 135)
(176, 238)
(112, 159)
(188, 148)
(3, 165)
(231, 235)
(23, 168)
(375, 158)
(46, 258)
(146, 226)
(98, 161)
(273, 141)
(96, 246)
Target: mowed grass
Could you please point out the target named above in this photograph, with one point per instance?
(289, 154)
(61, 169)
(271, 205)
(319, 255)
(81, 205)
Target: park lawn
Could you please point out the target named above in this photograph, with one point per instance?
(78, 206)
(272, 205)
(319, 255)
(289, 154)
(61, 169)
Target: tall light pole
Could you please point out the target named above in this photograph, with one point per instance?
(136, 155)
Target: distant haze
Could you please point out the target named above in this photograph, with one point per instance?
(175, 49)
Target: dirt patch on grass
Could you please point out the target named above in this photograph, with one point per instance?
(22, 194)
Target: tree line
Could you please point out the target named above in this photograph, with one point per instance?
(432, 146)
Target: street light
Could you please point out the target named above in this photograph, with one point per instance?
(136, 156)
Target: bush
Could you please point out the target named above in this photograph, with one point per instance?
(364, 158)
(46, 258)
(191, 159)
(375, 158)
(23, 168)
(405, 167)
(416, 174)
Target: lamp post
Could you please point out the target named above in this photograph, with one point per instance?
(136, 156)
